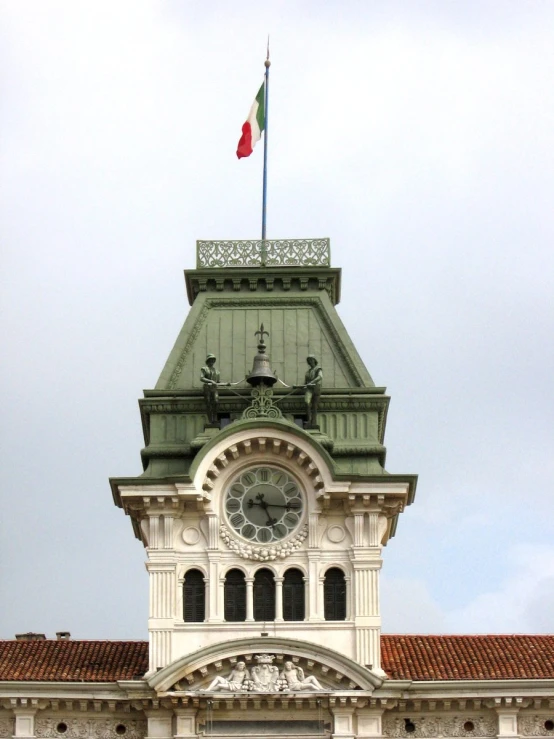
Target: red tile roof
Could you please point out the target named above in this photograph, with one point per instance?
(482, 657)
(73, 661)
(404, 657)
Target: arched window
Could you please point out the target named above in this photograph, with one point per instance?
(264, 596)
(235, 596)
(334, 595)
(194, 599)
(293, 595)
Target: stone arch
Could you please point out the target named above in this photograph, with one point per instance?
(234, 566)
(195, 671)
(275, 446)
(186, 566)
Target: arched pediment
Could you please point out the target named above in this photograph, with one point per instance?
(196, 672)
(282, 443)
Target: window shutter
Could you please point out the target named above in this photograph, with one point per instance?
(334, 595)
(235, 596)
(293, 596)
(194, 599)
(264, 596)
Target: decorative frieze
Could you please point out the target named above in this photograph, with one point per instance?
(536, 724)
(84, 728)
(417, 727)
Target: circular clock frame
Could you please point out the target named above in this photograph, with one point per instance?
(264, 504)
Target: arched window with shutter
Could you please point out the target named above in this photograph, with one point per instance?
(194, 598)
(264, 596)
(293, 595)
(235, 596)
(334, 595)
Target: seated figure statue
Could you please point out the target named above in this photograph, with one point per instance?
(295, 679)
(238, 680)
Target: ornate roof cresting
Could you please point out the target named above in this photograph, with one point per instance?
(266, 253)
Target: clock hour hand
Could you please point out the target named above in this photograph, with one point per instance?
(262, 503)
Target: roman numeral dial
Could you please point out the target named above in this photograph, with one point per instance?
(264, 504)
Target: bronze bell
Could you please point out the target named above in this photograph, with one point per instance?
(261, 370)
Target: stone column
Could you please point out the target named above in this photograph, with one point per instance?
(249, 598)
(314, 601)
(279, 598)
(215, 588)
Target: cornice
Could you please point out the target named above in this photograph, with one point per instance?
(263, 281)
(459, 690)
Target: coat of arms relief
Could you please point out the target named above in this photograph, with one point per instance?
(264, 677)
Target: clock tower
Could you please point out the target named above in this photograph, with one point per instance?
(264, 504)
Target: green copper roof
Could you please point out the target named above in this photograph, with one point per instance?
(300, 322)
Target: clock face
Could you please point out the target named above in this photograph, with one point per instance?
(264, 504)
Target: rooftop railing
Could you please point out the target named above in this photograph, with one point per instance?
(267, 253)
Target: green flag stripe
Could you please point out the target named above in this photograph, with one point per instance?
(260, 113)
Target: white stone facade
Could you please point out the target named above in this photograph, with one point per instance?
(344, 525)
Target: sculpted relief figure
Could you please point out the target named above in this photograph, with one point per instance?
(209, 377)
(238, 680)
(264, 678)
(312, 385)
(295, 679)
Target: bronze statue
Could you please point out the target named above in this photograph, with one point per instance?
(209, 377)
(312, 386)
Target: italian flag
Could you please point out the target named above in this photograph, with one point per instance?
(255, 124)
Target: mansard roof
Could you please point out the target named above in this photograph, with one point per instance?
(404, 657)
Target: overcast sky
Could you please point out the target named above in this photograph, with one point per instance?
(418, 136)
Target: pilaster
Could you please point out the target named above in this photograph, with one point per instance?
(369, 723)
(507, 722)
(24, 723)
(160, 724)
(343, 722)
(185, 723)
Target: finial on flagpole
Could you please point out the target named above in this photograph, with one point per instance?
(267, 62)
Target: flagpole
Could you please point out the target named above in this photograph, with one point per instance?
(264, 200)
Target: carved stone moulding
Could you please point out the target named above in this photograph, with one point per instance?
(277, 550)
(288, 452)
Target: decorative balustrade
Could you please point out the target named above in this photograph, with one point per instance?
(268, 253)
